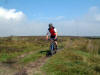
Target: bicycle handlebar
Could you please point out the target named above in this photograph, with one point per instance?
(51, 39)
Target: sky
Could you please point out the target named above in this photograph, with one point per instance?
(31, 17)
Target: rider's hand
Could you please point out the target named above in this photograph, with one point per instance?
(55, 37)
(47, 38)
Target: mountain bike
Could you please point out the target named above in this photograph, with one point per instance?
(53, 46)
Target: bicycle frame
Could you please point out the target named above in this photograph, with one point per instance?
(52, 47)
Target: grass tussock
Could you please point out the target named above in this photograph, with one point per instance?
(80, 56)
(12, 47)
(84, 44)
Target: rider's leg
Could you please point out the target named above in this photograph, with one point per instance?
(51, 41)
(56, 44)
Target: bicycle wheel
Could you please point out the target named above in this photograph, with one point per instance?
(55, 48)
(52, 48)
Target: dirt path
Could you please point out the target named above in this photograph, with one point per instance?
(6, 69)
(30, 69)
(33, 68)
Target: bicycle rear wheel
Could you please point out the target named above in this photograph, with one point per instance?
(52, 48)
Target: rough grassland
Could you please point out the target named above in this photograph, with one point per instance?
(27, 55)
(80, 56)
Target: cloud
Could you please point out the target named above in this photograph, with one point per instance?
(11, 14)
(52, 18)
(57, 18)
(14, 22)
(11, 21)
(88, 25)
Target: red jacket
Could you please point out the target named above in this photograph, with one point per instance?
(52, 31)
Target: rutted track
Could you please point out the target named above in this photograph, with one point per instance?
(34, 67)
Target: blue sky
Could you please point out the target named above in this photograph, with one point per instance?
(65, 12)
(34, 9)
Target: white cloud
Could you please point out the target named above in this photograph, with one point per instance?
(10, 21)
(93, 9)
(14, 22)
(52, 18)
(56, 18)
(88, 25)
(11, 14)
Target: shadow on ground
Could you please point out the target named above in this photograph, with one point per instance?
(48, 53)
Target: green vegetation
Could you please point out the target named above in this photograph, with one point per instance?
(79, 56)
(31, 57)
(12, 47)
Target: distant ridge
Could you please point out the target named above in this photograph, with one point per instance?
(91, 37)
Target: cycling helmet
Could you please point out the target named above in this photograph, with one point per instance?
(50, 25)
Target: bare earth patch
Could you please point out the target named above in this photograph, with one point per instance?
(33, 68)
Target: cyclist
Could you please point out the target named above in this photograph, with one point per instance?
(53, 33)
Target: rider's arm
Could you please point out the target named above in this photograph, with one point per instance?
(47, 35)
(56, 33)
